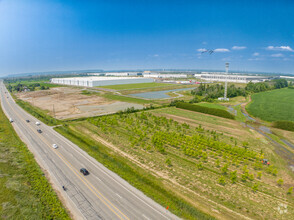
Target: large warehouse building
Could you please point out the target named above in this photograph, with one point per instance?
(100, 81)
(232, 78)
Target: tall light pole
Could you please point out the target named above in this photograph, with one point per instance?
(226, 81)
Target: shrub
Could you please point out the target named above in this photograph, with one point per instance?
(225, 169)
(222, 181)
(255, 187)
(259, 175)
(205, 110)
(290, 190)
(280, 182)
(233, 175)
(168, 162)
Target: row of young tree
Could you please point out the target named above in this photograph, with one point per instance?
(206, 92)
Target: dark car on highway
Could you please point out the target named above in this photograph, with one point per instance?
(39, 130)
(84, 171)
(28, 120)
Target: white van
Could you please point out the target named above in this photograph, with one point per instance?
(37, 123)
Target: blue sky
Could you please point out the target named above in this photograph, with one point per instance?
(47, 35)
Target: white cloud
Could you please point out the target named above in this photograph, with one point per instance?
(155, 55)
(221, 50)
(202, 50)
(238, 48)
(277, 55)
(255, 54)
(280, 48)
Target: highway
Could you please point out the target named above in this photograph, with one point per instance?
(100, 195)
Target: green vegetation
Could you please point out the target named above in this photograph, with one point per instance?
(137, 86)
(135, 175)
(208, 92)
(273, 105)
(285, 125)
(126, 99)
(24, 191)
(206, 110)
(212, 105)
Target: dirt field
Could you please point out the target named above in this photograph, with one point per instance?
(70, 103)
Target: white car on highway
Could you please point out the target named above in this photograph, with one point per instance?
(54, 146)
(37, 123)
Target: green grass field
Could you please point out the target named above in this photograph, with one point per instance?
(212, 105)
(137, 86)
(273, 105)
(25, 193)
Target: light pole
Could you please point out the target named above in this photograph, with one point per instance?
(226, 81)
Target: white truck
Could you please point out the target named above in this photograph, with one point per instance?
(37, 123)
(11, 120)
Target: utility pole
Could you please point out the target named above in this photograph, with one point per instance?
(53, 111)
(226, 81)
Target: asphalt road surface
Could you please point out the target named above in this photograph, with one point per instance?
(100, 195)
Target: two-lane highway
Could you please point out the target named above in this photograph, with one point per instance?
(100, 195)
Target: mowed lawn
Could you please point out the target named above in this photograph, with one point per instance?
(212, 105)
(137, 86)
(273, 105)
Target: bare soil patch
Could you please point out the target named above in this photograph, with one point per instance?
(66, 102)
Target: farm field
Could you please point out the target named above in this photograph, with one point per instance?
(211, 163)
(25, 192)
(273, 105)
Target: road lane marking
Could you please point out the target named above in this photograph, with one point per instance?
(87, 183)
(145, 217)
(118, 195)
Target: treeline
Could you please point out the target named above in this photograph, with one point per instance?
(206, 110)
(206, 92)
(285, 125)
(26, 87)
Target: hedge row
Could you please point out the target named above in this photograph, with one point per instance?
(285, 125)
(206, 110)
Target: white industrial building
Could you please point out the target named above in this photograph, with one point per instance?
(100, 81)
(231, 78)
(153, 75)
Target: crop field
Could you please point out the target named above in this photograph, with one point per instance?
(273, 105)
(211, 163)
(25, 193)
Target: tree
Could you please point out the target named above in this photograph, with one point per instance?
(280, 182)
(233, 175)
(255, 187)
(259, 175)
(290, 190)
(168, 162)
(225, 169)
(222, 180)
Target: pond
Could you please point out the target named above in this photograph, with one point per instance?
(158, 94)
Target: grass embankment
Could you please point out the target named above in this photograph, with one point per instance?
(126, 99)
(24, 191)
(207, 110)
(135, 175)
(212, 105)
(275, 105)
